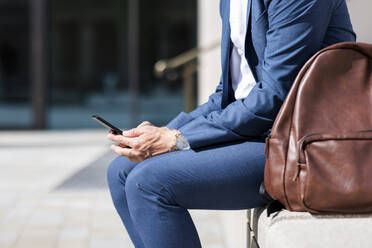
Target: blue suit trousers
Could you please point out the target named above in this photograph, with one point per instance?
(152, 197)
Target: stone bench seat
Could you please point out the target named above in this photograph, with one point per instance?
(286, 229)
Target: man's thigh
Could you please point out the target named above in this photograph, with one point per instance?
(221, 177)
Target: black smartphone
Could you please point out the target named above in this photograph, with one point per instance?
(107, 124)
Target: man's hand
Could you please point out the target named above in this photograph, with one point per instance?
(145, 123)
(144, 142)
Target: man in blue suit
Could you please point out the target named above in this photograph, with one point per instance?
(213, 157)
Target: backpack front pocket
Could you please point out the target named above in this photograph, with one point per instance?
(336, 172)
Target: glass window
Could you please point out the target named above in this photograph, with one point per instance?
(87, 61)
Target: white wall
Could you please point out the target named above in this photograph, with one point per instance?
(361, 14)
(209, 32)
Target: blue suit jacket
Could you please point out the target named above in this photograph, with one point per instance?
(281, 36)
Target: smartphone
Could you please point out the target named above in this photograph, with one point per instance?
(107, 124)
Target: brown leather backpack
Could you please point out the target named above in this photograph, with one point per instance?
(319, 153)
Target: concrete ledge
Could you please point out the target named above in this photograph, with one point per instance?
(299, 229)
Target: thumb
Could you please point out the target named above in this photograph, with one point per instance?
(135, 132)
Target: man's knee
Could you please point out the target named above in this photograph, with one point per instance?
(148, 182)
(118, 170)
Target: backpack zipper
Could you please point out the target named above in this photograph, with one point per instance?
(304, 141)
(300, 146)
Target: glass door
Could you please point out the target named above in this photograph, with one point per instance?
(15, 85)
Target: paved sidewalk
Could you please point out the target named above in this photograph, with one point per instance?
(53, 194)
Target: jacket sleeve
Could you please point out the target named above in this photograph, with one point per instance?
(213, 104)
(296, 30)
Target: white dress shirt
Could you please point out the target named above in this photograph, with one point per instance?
(241, 75)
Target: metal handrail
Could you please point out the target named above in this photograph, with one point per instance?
(189, 66)
(180, 60)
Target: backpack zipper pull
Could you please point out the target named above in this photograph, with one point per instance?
(298, 170)
(267, 144)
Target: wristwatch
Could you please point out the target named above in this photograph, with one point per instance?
(181, 142)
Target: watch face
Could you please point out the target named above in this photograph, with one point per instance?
(182, 143)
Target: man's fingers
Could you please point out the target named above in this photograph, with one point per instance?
(145, 123)
(113, 137)
(130, 142)
(135, 132)
(123, 146)
(120, 150)
(131, 154)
